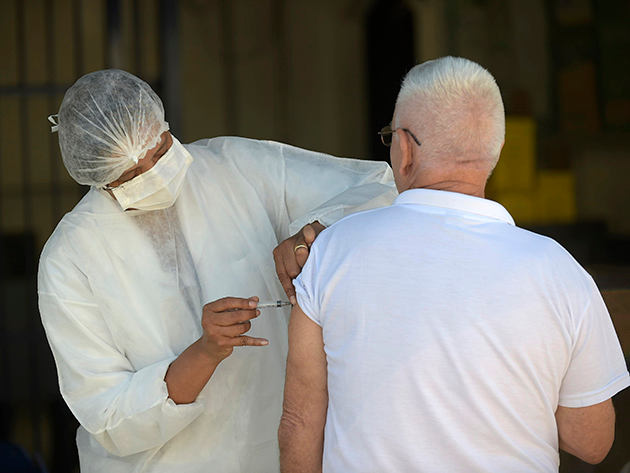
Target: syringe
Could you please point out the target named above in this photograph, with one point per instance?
(267, 305)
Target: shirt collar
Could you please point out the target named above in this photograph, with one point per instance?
(455, 201)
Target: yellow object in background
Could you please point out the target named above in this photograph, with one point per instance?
(516, 170)
(550, 202)
(522, 205)
(531, 196)
(556, 197)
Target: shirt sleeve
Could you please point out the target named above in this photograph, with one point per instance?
(126, 410)
(324, 188)
(306, 286)
(597, 370)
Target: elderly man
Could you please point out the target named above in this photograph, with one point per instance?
(134, 281)
(435, 335)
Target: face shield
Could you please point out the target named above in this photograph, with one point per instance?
(107, 121)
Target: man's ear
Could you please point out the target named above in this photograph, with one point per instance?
(406, 153)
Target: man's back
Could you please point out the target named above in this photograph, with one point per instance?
(451, 337)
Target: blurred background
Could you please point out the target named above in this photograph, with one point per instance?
(323, 75)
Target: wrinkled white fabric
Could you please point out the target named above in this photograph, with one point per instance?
(121, 293)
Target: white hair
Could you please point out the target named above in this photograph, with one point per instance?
(454, 107)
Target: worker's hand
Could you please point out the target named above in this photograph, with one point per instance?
(291, 255)
(224, 322)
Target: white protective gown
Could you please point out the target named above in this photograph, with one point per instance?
(121, 295)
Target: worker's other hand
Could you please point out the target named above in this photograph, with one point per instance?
(224, 322)
(291, 255)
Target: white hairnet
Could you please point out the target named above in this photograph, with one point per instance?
(107, 121)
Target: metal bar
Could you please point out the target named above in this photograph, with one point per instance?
(114, 53)
(137, 39)
(55, 178)
(30, 90)
(23, 107)
(5, 410)
(228, 56)
(77, 13)
(169, 16)
(39, 191)
(27, 210)
(77, 16)
(282, 71)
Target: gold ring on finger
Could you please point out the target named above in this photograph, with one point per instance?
(302, 245)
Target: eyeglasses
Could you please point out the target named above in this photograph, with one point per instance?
(387, 132)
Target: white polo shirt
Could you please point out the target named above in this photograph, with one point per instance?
(451, 337)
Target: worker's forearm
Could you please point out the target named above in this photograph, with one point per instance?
(189, 373)
(301, 447)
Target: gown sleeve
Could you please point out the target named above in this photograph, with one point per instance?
(326, 188)
(126, 410)
(298, 186)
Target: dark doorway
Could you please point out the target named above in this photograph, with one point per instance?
(390, 54)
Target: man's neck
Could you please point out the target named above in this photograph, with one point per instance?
(468, 188)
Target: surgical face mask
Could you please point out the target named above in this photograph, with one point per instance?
(159, 187)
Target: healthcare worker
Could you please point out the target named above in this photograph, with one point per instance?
(147, 286)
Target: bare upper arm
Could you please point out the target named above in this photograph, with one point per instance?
(587, 432)
(306, 381)
(301, 432)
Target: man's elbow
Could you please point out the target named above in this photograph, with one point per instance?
(285, 430)
(595, 452)
(291, 426)
(300, 447)
(587, 432)
(597, 457)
